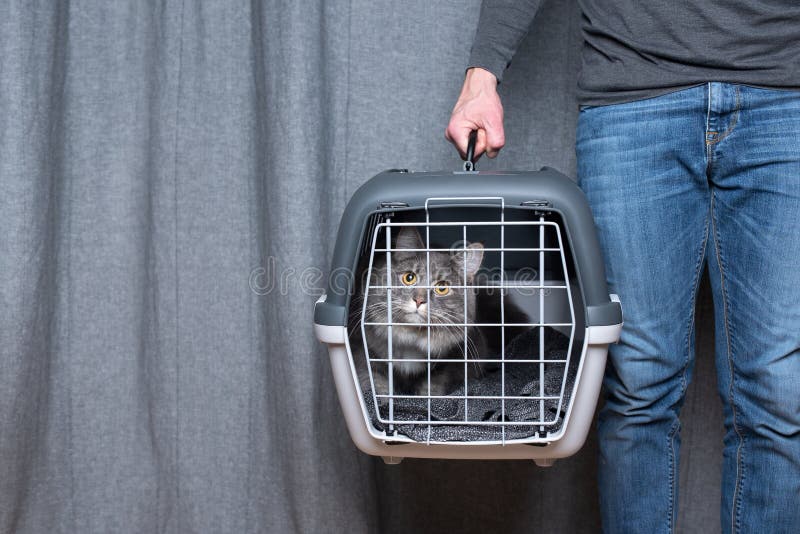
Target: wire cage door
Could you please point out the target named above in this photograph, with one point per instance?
(524, 279)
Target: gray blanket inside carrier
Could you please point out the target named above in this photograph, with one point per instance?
(520, 380)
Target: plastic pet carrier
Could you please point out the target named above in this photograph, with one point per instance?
(467, 315)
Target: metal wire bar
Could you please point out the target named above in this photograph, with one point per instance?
(471, 423)
(572, 320)
(485, 249)
(468, 359)
(364, 333)
(541, 328)
(428, 308)
(396, 323)
(476, 397)
(502, 321)
(477, 286)
(458, 224)
(466, 368)
(430, 200)
(389, 317)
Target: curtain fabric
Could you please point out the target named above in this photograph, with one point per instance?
(172, 177)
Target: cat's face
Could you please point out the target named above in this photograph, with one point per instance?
(415, 304)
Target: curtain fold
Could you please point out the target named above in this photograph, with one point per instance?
(172, 175)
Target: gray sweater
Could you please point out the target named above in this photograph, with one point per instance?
(636, 49)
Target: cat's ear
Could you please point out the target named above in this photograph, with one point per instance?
(408, 237)
(469, 260)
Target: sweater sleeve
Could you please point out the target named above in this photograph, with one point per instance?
(501, 27)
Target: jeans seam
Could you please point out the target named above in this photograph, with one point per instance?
(670, 442)
(734, 120)
(737, 491)
(690, 326)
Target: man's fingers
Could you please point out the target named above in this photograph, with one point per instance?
(480, 144)
(495, 140)
(489, 141)
(461, 140)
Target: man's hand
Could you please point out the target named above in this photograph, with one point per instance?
(478, 108)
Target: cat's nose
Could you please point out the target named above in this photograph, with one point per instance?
(420, 300)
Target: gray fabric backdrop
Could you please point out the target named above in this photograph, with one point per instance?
(154, 156)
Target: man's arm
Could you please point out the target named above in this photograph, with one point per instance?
(501, 27)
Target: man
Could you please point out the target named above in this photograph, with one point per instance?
(688, 149)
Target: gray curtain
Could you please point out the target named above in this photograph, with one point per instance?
(154, 157)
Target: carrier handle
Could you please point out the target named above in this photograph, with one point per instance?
(469, 163)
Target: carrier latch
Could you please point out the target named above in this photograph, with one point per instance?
(393, 205)
(536, 204)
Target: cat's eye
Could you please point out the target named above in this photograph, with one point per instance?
(408, 278)
(441, 288)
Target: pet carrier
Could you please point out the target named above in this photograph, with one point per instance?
(467, 315)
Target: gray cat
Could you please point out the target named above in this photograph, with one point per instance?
(413, 304)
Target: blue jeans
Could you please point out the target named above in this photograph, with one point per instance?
(709, 174)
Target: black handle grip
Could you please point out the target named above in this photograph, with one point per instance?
(469, 163)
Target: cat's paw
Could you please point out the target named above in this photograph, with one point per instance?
(381, 384)
(381, 388)
(440, 387)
